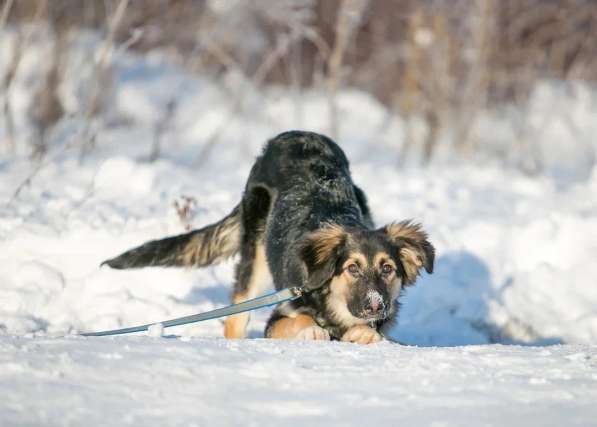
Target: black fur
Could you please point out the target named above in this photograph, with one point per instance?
(313, 187)
(299, 186)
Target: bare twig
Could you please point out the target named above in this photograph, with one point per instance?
(160, 127)
(101, 79)
(348, 19)
(27, 181)
(7, 81)
(476, 91)
(6, 89)
(46, 109)
(39, 166)
(21, 43)
(281, 49)
(5, 12)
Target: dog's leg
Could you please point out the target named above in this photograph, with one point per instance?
(253, 278)
(361, 334)
(300, 327)
(252, 274)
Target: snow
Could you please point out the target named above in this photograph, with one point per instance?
(212, 381)
(156, 330)
(503, 332)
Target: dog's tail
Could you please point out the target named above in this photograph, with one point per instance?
(208, 245)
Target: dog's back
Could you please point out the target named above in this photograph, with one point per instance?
(304, 176)
(307, 178)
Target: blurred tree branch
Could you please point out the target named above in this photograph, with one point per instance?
(435, 63)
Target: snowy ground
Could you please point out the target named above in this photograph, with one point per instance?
(515, 265)
(198, 382)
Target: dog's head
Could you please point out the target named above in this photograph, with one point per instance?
(365, 269)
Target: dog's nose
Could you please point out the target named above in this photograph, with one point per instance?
(370, 311)
(375, 306)
(375, 303)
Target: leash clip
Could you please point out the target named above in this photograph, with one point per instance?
(297, 291)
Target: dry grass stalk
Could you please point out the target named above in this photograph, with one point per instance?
(186, 210)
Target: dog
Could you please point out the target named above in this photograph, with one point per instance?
(303, 222)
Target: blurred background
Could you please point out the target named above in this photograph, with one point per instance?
(508, 81)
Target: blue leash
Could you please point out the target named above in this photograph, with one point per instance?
(274, 298)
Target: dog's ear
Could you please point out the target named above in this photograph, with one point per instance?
(319, 252)
(413, 246)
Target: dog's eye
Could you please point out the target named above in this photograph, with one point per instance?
(353, 269)
(387, 269)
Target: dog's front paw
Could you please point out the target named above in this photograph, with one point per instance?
(312, 333)
(361, 334)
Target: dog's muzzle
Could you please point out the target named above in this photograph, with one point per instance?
(375, 308)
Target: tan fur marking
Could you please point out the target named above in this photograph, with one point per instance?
(191, 251)
(223, 243)
(235, 327)
(383, 257)
(357, 257)
(325, 240)
(337, 302)
(411, 262)
(395, 283)
(412, 256)
(406, 230)
(395, 287)
(287, 327)
(261, 279)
